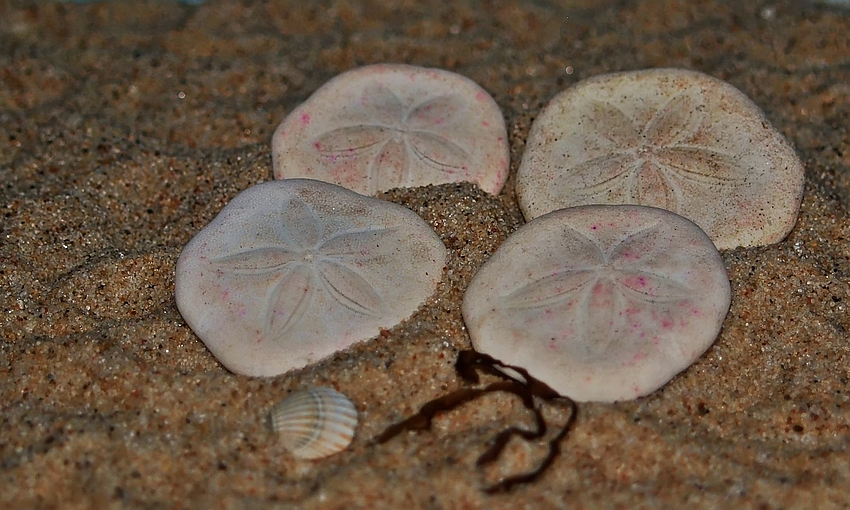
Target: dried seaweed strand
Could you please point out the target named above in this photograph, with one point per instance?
(422, 420)
(468, 364)
(508, 483)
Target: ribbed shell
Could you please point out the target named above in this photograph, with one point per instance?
(315, 422)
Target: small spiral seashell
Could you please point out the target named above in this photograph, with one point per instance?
(315, 422)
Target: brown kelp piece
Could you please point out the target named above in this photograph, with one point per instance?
(468, 365)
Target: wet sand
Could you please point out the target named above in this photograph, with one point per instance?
(123, 131)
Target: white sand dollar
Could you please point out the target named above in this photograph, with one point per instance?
(292, 271)
(668, 138)
(602, 303)
(386, 126)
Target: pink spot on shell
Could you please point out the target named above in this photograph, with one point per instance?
(305, 119)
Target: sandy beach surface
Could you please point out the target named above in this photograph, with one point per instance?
(125, 128)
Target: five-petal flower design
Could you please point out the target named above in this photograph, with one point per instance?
(658, 163)
(668, 138)
(304, 256)
(605, 286)
(293, 270)
(600, 302)
(387, 126)
(398, 142)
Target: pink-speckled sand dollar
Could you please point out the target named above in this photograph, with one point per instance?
(292, 271)
(602, 303)
(668, 138)
(387, 126)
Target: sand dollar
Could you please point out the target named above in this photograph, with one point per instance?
(668, 138)
(292, 271)
(602, 303)
(387, 126)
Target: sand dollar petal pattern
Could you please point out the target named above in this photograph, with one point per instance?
(386, 126)
(668, 138)
(602, 303)
(292, 271)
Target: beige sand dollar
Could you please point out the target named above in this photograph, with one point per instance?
(387, 126)
(292, 271)
(668, 138)
(602, 303)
